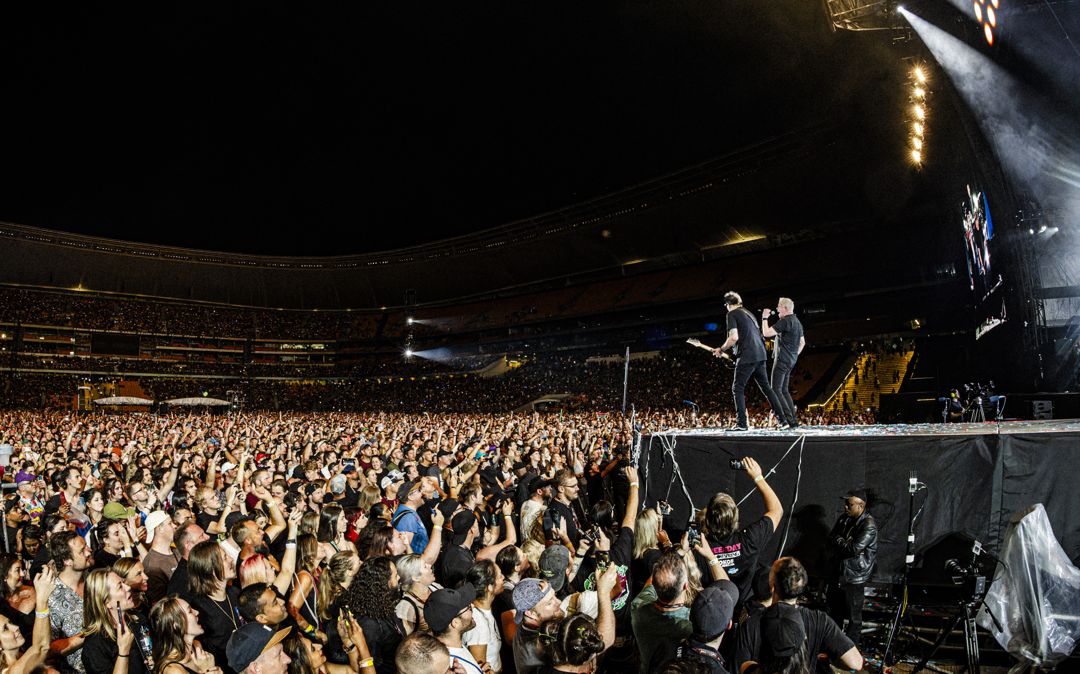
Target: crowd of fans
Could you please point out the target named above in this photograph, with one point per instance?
(670, 381)
(269, 543)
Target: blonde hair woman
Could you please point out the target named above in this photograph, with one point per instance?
(115, 637)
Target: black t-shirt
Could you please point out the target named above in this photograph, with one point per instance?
(178, 580)
(642, 569)
(688, 649)
(751, 345)
(559, 510)
(822, 636)
(204, 520)
(219, 620)
(104, 560)
(99, 652)
(454, 564)
(622, 556)
(789, 332)
(383, 637)
(738, 554)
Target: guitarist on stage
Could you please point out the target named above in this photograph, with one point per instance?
(745, 339)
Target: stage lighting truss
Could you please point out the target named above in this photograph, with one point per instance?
(987, 13)
(862, 15)
(918, 84)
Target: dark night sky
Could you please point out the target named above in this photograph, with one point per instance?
(384, 125)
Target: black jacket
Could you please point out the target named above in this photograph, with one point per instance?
(856, 543)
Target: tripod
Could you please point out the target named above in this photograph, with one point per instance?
(966, 615)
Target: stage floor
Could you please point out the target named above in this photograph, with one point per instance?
(889, 430)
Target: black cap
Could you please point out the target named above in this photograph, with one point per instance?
(461, 523)
(782, 627)
(857, 493)
(250, 641)
(442, 606)
(710, 614)
(405, 489)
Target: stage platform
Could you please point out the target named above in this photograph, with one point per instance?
(976, 476)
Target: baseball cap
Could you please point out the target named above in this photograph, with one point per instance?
(116, 511)
(527, 594)
(710, 614)
(405, 489)
(782, 628)
(152, 521)
(554, 561)
(461, 523)
(250, 641)
(227, 466)
(857, 493)
(444, 605)
(390, 478)
(337, 485)
(23, 476)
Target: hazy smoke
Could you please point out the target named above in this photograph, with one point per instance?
(1038, 149)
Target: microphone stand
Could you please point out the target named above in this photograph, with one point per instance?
(909, 560)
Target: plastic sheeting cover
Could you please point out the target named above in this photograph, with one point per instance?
(1035, 595)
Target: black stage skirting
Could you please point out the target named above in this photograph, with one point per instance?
(977, 476)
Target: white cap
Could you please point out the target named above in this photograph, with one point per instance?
(227, 466)
(152, 521)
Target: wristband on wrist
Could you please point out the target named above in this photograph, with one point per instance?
(370, 662)
(42, 614)
(759, 478)
(633, 484)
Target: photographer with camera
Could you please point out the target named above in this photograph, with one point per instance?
(737, 549)
(854, 543)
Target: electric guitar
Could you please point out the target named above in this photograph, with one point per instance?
(725, 357)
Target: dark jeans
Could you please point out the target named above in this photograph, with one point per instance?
(781, 383)
(846, 603)
(743, 373)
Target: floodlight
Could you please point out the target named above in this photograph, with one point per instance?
(991, 16)
(918, 128)
(989, 33)
(920, 112)
(978, 12)
(916, 156)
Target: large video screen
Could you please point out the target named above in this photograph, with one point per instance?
(984, 281)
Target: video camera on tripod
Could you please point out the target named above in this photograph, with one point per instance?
(969, 576)
(971, 403)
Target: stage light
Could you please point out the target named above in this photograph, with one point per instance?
(408, 353)
(409, 320)
(920, 92)
(917, 143)
(978, 12)
(919, 74)
(918, 127)
(920, 112)
(989, 33)
(994, 3)
(916, 156)
(991, 16)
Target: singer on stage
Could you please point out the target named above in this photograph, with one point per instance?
(744, 338)
(787, 345)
